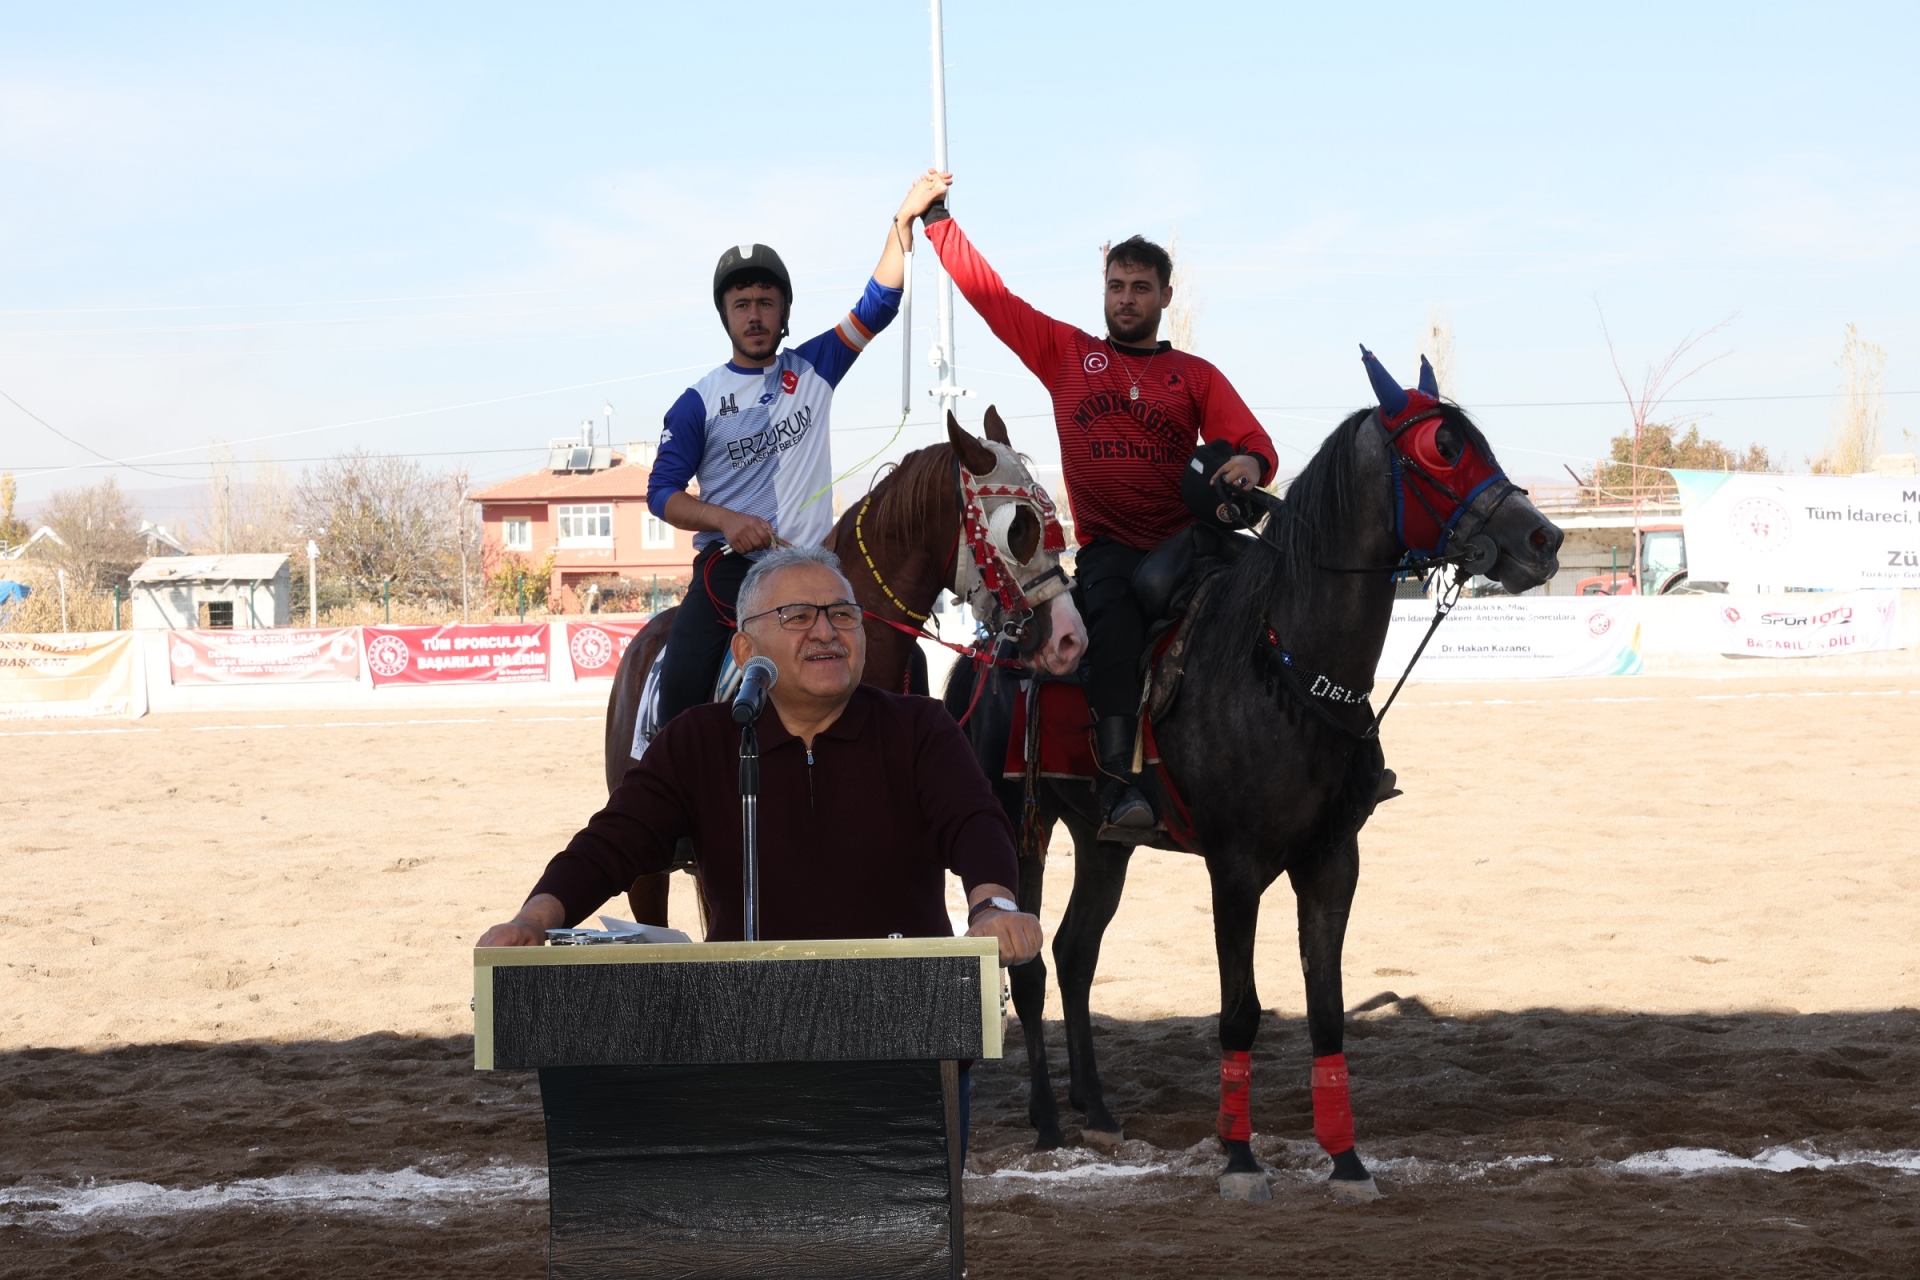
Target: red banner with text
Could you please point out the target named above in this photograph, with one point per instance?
(596, 648)
(457, 653)
(279, 655)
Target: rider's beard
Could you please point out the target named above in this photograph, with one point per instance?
(756, 346)
(1135, 333)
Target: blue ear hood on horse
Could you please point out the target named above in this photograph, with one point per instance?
(1386, 388)
(1396, 403)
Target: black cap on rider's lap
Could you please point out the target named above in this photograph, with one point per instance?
(1195, 489)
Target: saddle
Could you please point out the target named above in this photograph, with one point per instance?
(1169, 585)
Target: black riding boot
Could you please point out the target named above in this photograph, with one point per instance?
(1121, 800)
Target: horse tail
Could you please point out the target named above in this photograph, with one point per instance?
(623, 700)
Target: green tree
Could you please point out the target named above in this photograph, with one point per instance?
(13, 530)
(1662, 448)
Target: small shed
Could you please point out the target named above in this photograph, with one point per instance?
(183, 593)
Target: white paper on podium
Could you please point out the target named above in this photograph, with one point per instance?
(628, 931)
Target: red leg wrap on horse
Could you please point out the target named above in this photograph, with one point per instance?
(1236, 1097)
(1332, 1105)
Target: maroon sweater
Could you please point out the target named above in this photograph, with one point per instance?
(855, 840)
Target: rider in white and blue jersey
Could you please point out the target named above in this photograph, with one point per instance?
(754, 434)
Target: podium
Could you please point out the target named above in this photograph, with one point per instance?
(736, 1110)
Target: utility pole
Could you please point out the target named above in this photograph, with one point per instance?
(313, 588)
(943, 352)
(460, 532)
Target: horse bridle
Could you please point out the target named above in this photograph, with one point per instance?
(1015, 601)
(1478, 552)
(1464, 526)
(1463, 540)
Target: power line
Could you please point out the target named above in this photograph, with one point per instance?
(362, 422)
(1581, 404)
(69, 439)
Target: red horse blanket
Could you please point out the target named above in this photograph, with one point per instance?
(1065, 743)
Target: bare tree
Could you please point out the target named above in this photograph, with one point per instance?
(1436, 344)
(242, 512)
(98, 530)
(379, 519)
(1854, 441)
(1660, 382)
(1184, 311)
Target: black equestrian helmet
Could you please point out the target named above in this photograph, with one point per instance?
(1202, 499)
(751, 264)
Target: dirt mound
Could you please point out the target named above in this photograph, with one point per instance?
(1535, 1143)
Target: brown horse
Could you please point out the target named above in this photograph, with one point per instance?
(900, 546)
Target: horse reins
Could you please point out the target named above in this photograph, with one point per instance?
(972, 530)
(1321, 689)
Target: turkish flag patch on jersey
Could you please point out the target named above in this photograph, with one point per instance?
(789, 381)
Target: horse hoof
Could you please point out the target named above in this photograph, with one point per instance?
(1049, 1141)
(1246, 1186)
(1103, 1137)
(1354, 1191)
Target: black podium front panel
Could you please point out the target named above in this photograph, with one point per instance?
(719, 1002)
(744, 1171)
(726, 1111)
(804, 1010)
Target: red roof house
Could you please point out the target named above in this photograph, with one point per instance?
(588, 509)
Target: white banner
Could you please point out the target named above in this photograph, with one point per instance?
(1809, 626)
(1516, 638)
(81, 673)
(1823, 532)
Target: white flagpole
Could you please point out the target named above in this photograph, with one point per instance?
(943, 351)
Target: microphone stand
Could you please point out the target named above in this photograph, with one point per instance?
(750, 828)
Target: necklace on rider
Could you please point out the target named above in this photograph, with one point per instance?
(1133, 391)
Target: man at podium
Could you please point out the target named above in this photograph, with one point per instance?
(867, 798)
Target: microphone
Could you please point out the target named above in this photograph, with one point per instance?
(758, 677)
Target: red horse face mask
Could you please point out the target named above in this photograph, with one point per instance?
(1439, 473)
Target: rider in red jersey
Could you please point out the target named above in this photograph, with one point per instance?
(1130, 410)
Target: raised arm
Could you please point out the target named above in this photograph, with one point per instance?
(1036, 338)
(928, 187)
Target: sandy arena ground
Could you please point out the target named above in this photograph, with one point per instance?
(1651, 939)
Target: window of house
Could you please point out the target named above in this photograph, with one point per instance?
(517, 534)
(588, 525)
(656, 534)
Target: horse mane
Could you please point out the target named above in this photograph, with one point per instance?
(905, 497)
(1302, 536)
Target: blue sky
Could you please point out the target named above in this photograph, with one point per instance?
(240, 221)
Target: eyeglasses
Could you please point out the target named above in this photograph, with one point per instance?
(841, 616)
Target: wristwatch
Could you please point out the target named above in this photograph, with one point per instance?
(995, 903)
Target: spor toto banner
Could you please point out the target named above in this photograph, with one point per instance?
(1807, 627)
(457, 653)
(281, 656)
(595, 648)
(1825, 532)
(1515, 638)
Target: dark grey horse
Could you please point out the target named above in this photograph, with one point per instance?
(1274, 778)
